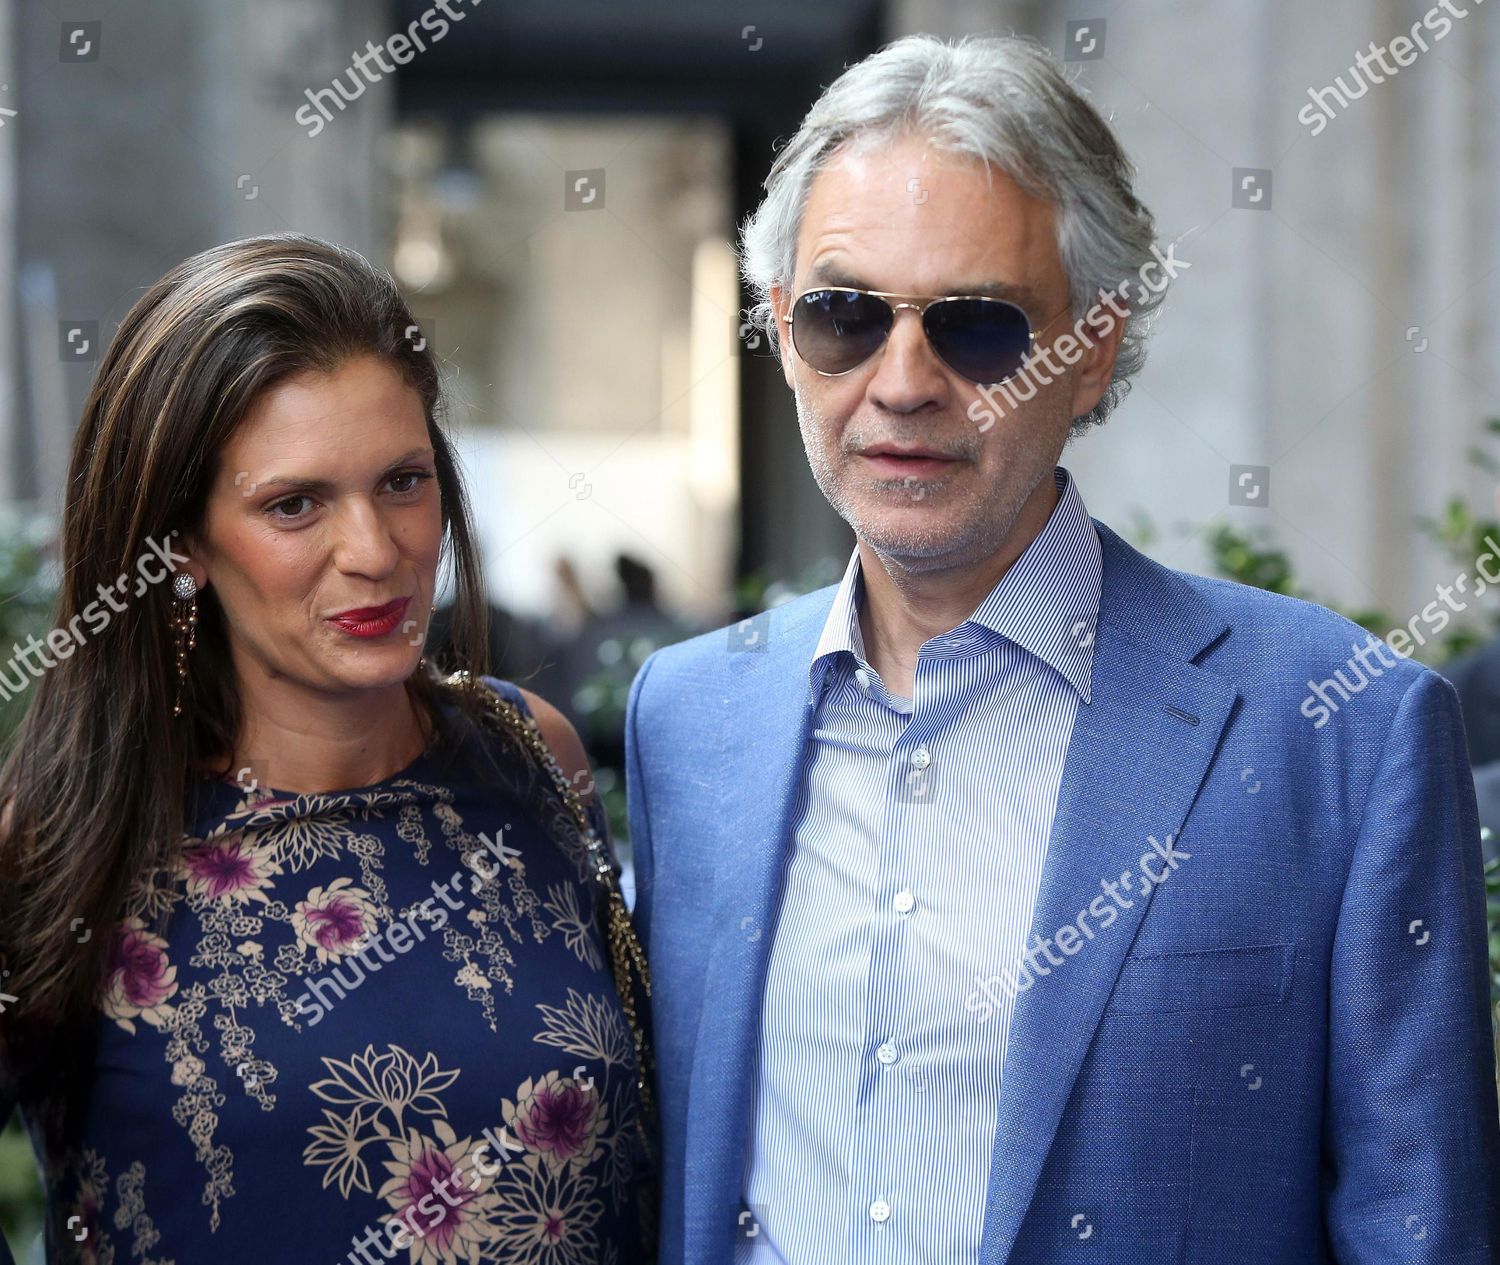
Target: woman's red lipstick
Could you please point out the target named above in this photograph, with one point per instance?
(371, 621)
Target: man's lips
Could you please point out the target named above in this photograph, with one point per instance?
(889, 460)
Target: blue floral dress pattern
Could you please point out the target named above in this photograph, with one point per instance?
(359, 1025)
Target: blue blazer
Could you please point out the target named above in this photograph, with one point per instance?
(1284, 1054)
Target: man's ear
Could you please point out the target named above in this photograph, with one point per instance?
(780, 299)
(1104, 327)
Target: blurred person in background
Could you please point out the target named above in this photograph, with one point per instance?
(872, 826)
(617, 637)
(519, 648)
(312, 954)
(571, 605)
(1476, 677)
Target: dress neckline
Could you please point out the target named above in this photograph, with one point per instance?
(281, 792)
(439, 737)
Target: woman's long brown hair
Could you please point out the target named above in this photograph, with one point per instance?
(98, 770)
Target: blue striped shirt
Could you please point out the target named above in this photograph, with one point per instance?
(921, 830)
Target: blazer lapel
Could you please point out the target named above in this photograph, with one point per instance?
(767, 714)
(1139, 752)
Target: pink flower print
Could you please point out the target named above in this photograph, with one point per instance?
(228, 870)
(138, 977)
(558, 1119)
(333, 921)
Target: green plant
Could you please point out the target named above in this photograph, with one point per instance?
(28, 590)
(28, 593)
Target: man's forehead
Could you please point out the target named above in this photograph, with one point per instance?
(836, 268)
(952, 220)
(1000, 260)
(909, 165)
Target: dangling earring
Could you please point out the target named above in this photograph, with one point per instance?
(422, 662)
(184, 628)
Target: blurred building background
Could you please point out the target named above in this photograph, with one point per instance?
(556, 184)
(557, 187)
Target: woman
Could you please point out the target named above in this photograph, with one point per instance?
(304, 937)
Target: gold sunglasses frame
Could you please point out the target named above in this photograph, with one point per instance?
(920, 306)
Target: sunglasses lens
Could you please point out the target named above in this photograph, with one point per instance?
(985, 340)
(835, 330)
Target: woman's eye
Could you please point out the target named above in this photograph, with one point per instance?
(283, 505)
(413, 481)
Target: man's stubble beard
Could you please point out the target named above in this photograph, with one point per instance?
(973, 525)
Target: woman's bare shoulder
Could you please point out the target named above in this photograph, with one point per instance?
(562, 739)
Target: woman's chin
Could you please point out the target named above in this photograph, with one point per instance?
(375, 667)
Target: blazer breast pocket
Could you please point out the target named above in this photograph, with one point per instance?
(1203, 979)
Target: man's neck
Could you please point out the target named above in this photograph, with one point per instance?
(902, 609)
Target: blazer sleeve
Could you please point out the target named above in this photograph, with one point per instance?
(1412, 1125)
(639, 817)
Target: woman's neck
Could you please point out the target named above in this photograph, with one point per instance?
(316, 750)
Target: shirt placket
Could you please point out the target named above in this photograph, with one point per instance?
(881, 1190)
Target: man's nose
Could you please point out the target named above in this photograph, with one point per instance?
(909, 376)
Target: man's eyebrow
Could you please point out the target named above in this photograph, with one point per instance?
(322, 485)
(831, 274)
(1021, 295)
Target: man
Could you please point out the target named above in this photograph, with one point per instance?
(1007, 901)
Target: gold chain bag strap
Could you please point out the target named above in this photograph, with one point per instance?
(627, 958)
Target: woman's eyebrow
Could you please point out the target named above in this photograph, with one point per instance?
(323, 485)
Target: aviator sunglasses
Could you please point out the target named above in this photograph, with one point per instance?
(835, 329)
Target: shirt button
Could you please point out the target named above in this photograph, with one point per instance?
(904, 902)
(880, 1210)
(863, 678)
(886, 1054)
(920, 757)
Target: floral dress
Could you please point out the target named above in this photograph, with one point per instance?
(379, 1025)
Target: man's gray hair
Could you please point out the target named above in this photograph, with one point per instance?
(1005, 101)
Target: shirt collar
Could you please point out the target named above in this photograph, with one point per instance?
(1047, 602)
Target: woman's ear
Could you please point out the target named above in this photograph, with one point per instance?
(186, 544)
